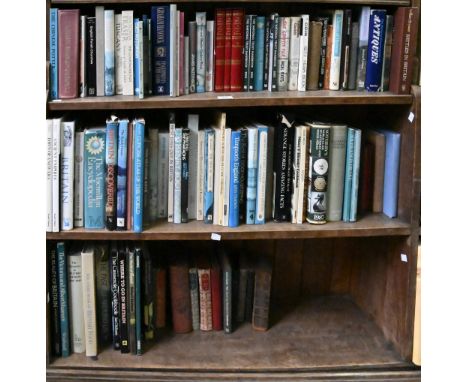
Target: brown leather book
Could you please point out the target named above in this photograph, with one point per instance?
(68, 52)
(204, 285)
(180, 294)
(160, 283)
(405, 31)
(261, 303)
(377, 140)
(216, 294)
(326, 80)
(313, 55)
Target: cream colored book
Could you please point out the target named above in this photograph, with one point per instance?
(89, 300)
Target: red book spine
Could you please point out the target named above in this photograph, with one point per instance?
(220, 26)
(216, 298)
(206, 315)
(181, 54)
(130, 177)
(237, 46)
(180, 298)
(366, 188)
(68, 52)
(227, 50)
(403, 50)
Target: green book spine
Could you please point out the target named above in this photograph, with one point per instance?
(138, 315)
(63, 299)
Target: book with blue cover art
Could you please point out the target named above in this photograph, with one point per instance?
(252, 160)
(259, 53)
(111, 170)
(235, 149)
(122, 174)
(53, 53)
(355, 179)
(138, 172)
(63, 299)
(348, 174)
(94, 177)
(209, 176)
(109, 53)
(375, 50)
(160, 27)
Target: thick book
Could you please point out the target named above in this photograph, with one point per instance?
(249, 294)
(68, 52)
(328, 57)
(91, 56)
(121, 201)
(109, 52)
(56, 147)
(103, 293)
(237, 45)
(111, 172)
(163, 162)
(83, 90)
(77, 329)
(219, 169)
(204, 285)
(228, 292)
(138, 173)
(216, 293)
(220, 30)
(63, 299)
(177, 174)
(345, 49)
(115, 287)
(363, 45)
(209, 61)
(348, 176)
(67, 167)
(233, 220)
(337, 156)
(160, 49)
(94, 184)
(138, 301)
(192, 31)
(89, 300)
(318, 173)
(335, 61)
(208, 186)
(353, 58)
(50, 136)
(200, 18)
(303, 53)
(194, 298)
(52, 262)
(99, 14)
(184, 175)
(283, 52)
(323, 49)
(160, 284)
(180, 294)
(118, 54)
(262, 292)
(244, 268)
(405, 32)
(123, 300)
(387, 54)
(252, 165)
(294, 41)
(355, 179)
(148, 298)
(53, 53)
(377, 140)
(314, 54)
(375, 51)
(259, 53)
(227, 177)
(227, 50)
(78, 190)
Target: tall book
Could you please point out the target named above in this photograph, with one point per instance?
(131, 298)
(259, 53)
(318, 172)
(130, 165)
(50, 134)
(227, 50)
(118, 54)
(89, 300)
(181, 58)
(353, 60)
(151, 209)
(109, 52)
(63, 299)
(185, 174)
(363, 45)
(227, 177)
(127, 52)
(148, 295)
(171, 167)
(200, 171)
(78, 190)
(220, 40)
(234, 179)
(91, 56)
(239, 313)
(160, 294)
(52, 262)
(303, 53)
(216, 293)
(103, 292)
(56, 147)
(209, 61)
(121, 207)
(82, 88)
(375, 52)
(193, 165)
(338, 139)
(163, 157)
(192, 30)
(204, 285)
(377, 140)
(147, 57)
(53, 53)
(173, 49)
(219, 169)
(345, 49)
(355, 180)
(264, 172)
(387, 54)
(283, 53)
(323, 50)
(294, 51)
(180, 294)
(266, 59)
(68, 52)
(137, 69)
(247, 48)
(299, 173)
(160, 29)
(242, 174)
(237, 45)
(252, 44)
(201, 51)
(177, 174)
(405, 32)
(336, 50)
(208, 187)
(123, 297)
(138, 300)
(228, 292)
(67, 150)
(328, 57)
(262, 291)
(77, 329)
(252, 165)
(273, 61)
(313, 59)
(194, 297)
(366, 177)
(348, 176)
(115, 287)
(111, 170)
(138, 173)
(99, 14)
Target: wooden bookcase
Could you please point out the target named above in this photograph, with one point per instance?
(342, 296)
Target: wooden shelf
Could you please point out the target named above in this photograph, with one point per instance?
(370, 225)
(322, 333)
(241, 99)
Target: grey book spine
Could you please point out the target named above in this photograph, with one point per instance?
(103, 294)
(362, 51)
(194, 298)
(99, 50)
(384, 84)
(193, 56)
(354, 56)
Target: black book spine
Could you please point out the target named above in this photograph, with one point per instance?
(242, 174)
(248, 19)
(193, 55)
(124, 348)
(274, 74)
(323, 50)
(54, 302)
(266, 59)
(345, 49)
(253, 27)
(249, 293)
(185, 175)
(115, 287)
(91, 56)
(148, 293)
(131, 300)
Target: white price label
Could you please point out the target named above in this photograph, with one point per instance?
(404, 258)
(411, 117)
(225, 97)
(216, 236)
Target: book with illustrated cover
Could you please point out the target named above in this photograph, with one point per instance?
(111, 172)
(121, 200)
(138, 173)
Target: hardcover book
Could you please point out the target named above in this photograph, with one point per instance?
(130, 165)
(237, 45)
(118, 54)
(127, 52)
(111, 167)
(345, 49)
(91, 56)
(338, 139)
(115, 287)
(67, 167)
(185, 174)
(131, 298)
(323, 50)
(227, 291)
(121, 207)
(83, 89)
(303, 53)
(138, 173)
(387, 54)
(137, 69)
(77, 329)
(138, 301)
(227, 50)
(266, 59)
(353, 60)
(242, 174)
(177, 174)
(234, 179)
(63, 299)
(335, 61)
(53, 53)
(220, 30)
(355, 180)
(261, 302)
(200, 171)
(180, 294)
(375, 52)
(68, 52)
(151, 172)
(99, 14)
(314, 54)
(328, 57)
(274, 36)
(194, 167)
(259, 53)
(194, 298)
(160, 283)
(377, 140)
(103, 293)
(160, 29)
(50, 137)
(149, 298)
(78, 218)
(348, 174)
(109, 52)
(52, 260)
(89, 300)
(192, 56)
(208, 201)
(216, 293)
(247, 48)
(363, 45)
(294, 51)
(56, 147)
(204, 284)
(209, 61)
(171, 167)
(162, 175)
(225, 206)
(252, 164)
(201, 51)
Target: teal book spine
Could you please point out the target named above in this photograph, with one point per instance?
(355, 178)
(348, 174)
(138, 292)
(138, 173)
(53, 53)
(259, 53)
(63, 299)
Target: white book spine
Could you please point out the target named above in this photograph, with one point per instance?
(201, 51)
(192, 124)
(89, 301)
(294, 52)
(219, 136)
(186, 65)
(336, 50)
(83, 43)
(227, 176)
(99, 50)
(118, 55)
(283, 53)
(200, 174)
(173, 67)
(77, 328)
(170, 177)
(67, 167)
(163, 143)
(56, 138)
(127, 52)
(153, 135)
(49, 176)
(261, 175)
(209, 81)
(141, 72)
(178, 175)
(296, 169)
(210, 175)
(222, 175)
(302, 175)
(303, 52)
(78, 220)
(109, 52)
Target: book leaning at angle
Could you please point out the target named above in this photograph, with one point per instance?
(89, 300)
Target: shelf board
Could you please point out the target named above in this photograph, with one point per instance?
(240, 99)
(369, 225)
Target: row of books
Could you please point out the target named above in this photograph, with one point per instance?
(117, 53)
(126, 176)
(105, 293)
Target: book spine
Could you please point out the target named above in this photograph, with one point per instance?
(201, 51)
(136, 55)
(283, 53)
(227, 178)
(249, 295)
(296, 169)
(274, 55)
(234, 179)
(63, 299)
(130, 164)
(259, 53)
(246, 62)
(149, 54)
(345, 49)
(123, 303)
(138, 303)
(194, 166)
(376, 50)
(209, 176)
(227, 50)
(138, 173)
(111, 167)
(176, 49)
(209, 81)
(115, 287)
(204, 283)
(160, 297)
(54, 301)
(163, 142)
(53, 53)
(355, 179)
(173, 42)
(91, 56)
(220, 26)
(177, 174)
(338, 138)
(362, 50)
(252, 50)
(313, 55)
(50, 133)
(252, 165)
(194, 298)
(89, 302)
(66, 174)
(261, 175)
(68, 52)
(387, 54)
(151, 172)
(353, 60)
(216, 298)
(171, 163)
(200, 166)
(366, 178)
(181, 53)
(303, 53)
(336, 50)
(56, 138)
(147, 214)
(78, 219)
(242, 174)
(127, 52)
(121, 208)
(103, 294)
(348, 174)
(318, 174)
(109, 52)
(99, 13)
(237, 45)
(303, 168)
(83, 88)
(76, 304)
(219, 194)
(392, 165)
(180, 298)
(185, 174)
(160, 49)
(227, 300)
(261, 301)
(266, 56)
(141, 61)
(323, 51)
(294, 52)
(187, 61)
(240, 312)
(118, 54)
(193, 56)
(328, 58)
(147, 289)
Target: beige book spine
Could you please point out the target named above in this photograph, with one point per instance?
(313, 59)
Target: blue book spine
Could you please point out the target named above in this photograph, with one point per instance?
(138, 292)
(209, 176)
(63, 299)
(252, 149)
(260, 206)
(259, 53)
(160, 49)
(95, 178)
(122, 174)
(136, 56)
(391, 173)
(355, 179)
(138, 173)
(109, 53)
(348, 174)
(234, 194)
(375, 49)
(111, 167)
(177, 175)
(53, 53)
